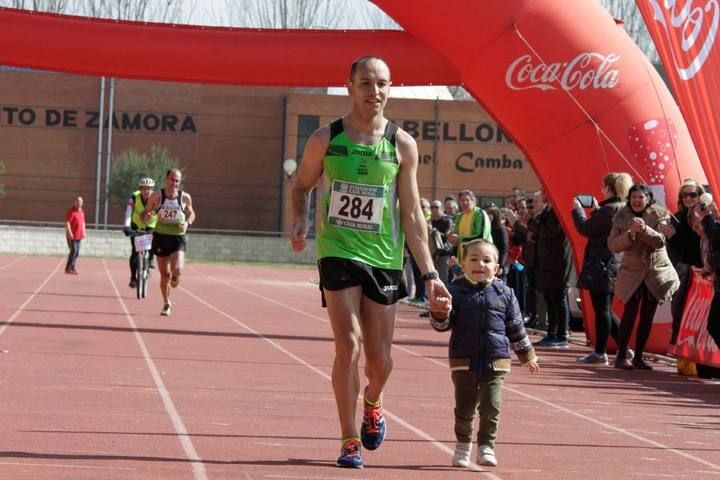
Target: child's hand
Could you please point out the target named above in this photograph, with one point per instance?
(440, 307)
(452, 260)
(533, 367)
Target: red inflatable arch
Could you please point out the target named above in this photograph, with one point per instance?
(562, 78)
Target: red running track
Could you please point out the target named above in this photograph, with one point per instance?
(95, 384)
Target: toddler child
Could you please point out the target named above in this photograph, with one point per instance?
(486, 326)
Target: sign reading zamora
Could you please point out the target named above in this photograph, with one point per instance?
(128, 121)
(462, 133)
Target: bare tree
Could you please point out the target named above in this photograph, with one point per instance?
(164, 11)
(54, 6)
(627, 11)
(282, 13)
(368, 15)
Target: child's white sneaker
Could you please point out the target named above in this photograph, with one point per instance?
(461, 458)
(486, 457)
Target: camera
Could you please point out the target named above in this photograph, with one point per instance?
(586, 200)
(706, 199)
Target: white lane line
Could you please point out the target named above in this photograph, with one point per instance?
(523, 394)
(197, 464)
(584, 417)
(64, 465)
(619, 430)
(417, 431)
(295, 477)
(30, 298)
(13, 262)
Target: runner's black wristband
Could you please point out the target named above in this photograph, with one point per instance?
(432, 275)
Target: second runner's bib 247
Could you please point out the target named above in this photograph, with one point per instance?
(171, 215)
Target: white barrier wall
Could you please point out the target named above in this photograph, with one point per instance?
(22, 240)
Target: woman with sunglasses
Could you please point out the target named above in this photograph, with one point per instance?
(683, 246)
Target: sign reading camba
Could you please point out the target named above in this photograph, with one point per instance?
(587, 70)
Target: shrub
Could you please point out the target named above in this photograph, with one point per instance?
(131, 165)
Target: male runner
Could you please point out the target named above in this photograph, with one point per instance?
(174, 215)
(369, 167)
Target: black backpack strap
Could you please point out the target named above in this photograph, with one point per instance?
(391, 132)
(162, 200)
(336, 128)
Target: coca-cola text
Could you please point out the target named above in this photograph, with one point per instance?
(587, 70)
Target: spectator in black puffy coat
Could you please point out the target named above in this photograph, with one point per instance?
(554, 274)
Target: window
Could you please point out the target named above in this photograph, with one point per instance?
(307, 124)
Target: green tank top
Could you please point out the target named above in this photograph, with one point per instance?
(170, 215)
(361, 215)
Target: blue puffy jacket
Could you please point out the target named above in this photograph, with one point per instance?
(486, 327)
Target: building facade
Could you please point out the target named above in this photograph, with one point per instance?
(230, 141)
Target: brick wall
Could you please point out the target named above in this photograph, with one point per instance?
(113, 244)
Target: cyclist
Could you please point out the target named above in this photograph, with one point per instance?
(134, 222)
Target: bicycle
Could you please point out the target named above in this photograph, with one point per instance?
(142, 241)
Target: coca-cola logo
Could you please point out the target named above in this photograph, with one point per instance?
(587, 70)
(697, 27)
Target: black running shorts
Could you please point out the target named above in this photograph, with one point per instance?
(378, 284)
(165, 245)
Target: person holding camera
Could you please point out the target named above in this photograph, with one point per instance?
(600, 265)
(646, 276)
(683, 245)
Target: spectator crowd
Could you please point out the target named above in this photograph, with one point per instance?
(637, 251)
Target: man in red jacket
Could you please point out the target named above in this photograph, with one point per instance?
(74, 233)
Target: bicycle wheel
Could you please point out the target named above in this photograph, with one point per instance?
(145, 273)
(141, 274)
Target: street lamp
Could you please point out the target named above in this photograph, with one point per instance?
(289, 166)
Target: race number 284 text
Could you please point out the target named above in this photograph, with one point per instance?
(356, 206)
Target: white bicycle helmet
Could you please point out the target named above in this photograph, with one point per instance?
(147, 182)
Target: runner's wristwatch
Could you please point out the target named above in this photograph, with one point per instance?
(432, 275)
